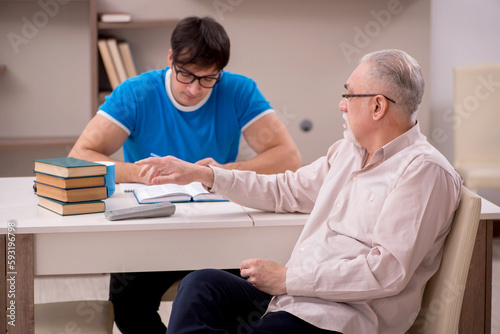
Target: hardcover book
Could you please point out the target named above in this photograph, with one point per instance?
(69, 167)
(66, 209)
(128, 61)
(71, 195)
(114, 51)
(72, 182)
(107, 60)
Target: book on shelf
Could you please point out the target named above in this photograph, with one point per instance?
(69, 167)
(193, 192)
(70, 182)
(68, 208)
(71, 195)
(117, 59)
(107, 60)
(114, 17)
(128, 61)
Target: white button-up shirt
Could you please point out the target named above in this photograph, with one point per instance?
(374, 235)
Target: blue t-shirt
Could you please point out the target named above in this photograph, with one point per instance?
(144, 107)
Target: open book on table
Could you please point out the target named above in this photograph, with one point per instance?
(193, 192)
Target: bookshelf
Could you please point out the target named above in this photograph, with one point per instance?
(134, 32)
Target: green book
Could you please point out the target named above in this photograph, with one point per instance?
(69, 167)
(66, 209)
(70, 182)
(71, 195)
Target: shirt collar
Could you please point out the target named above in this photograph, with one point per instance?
(168, 90)
(407, 139)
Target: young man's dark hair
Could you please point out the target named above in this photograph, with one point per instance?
(200, 41)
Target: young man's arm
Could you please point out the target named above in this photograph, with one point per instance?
(98, 141)
(275, 148)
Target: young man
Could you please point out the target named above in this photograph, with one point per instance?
(195, 111)
(381, 202)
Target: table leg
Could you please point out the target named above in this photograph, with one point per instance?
(3, 287)
(489, 273)
(21, 287)
(476, 308)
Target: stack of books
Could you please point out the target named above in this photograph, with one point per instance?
(70, 186)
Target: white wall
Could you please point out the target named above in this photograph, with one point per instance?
(45, 90)
(463, 32)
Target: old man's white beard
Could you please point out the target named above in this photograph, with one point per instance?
(348, 132)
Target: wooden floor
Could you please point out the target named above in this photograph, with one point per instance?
(50, 289)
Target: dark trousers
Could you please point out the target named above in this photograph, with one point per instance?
(213, 301)
(136, 298)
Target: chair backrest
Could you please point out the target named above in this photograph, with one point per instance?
(443, 295)
(477, 113)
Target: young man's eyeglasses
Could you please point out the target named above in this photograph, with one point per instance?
(186, 77)
(348, 96)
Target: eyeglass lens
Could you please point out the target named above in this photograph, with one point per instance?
(187, 78)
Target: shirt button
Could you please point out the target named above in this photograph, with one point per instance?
(372, 198)
(338, 205)
(301, 249)
(354, 179)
